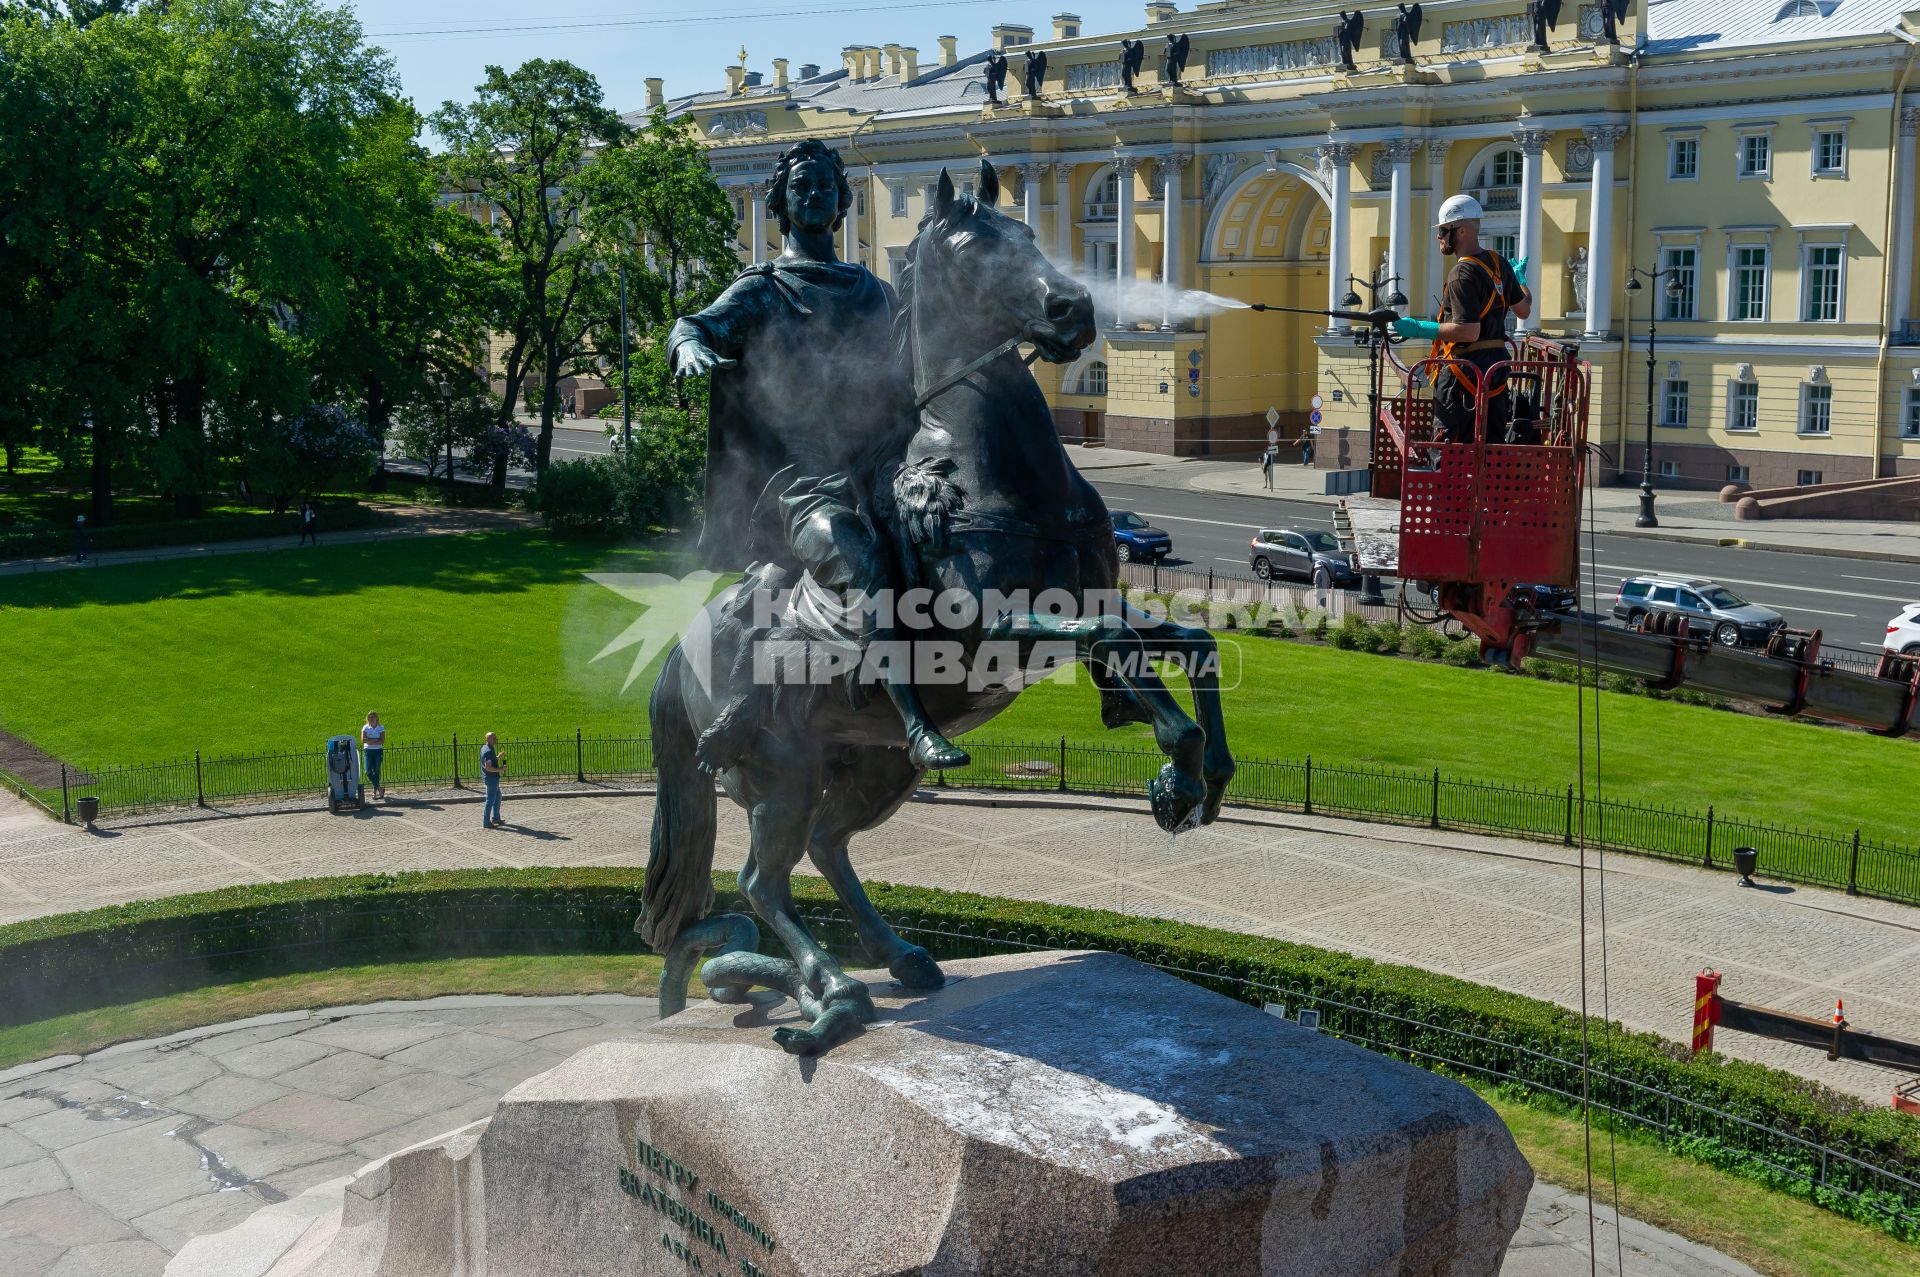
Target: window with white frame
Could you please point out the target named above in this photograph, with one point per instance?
(1103, 200)
(1749, 294)
(1673, 403)
(1669, 469)
(1910, 419)
(1683, 159)
(860, 201)
(1756, 155)
(898, 192)
(1738, 474)
(1820, 282)
(1506, 168)
(1816, 408)
(1810, 478)
(1684, 263)
(1830, 152)
(1093, 379)
(1508, 246)
(1743, 406)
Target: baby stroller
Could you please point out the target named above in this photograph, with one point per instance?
(343, 775)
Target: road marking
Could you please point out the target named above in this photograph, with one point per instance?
(1913, 585)
(1244, 529)
(1764, 585)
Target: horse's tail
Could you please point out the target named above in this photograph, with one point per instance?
(679, 888)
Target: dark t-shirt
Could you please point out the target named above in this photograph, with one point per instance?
(1469, 288)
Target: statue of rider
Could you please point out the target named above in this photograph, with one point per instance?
(787, 473)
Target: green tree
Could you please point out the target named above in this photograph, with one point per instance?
(78, 12)
(522, 146)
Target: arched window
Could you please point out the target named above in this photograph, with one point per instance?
(1103, 198)
(1799, 9)
(1093, 380)
(1504, 169)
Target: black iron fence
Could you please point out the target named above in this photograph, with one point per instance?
(1845, 860)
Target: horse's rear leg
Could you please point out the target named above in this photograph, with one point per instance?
(861, 793)
(1197, 652)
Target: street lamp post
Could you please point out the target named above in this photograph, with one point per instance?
(1374, 338)
(446, 427)
(626, 403)
(1646, 518)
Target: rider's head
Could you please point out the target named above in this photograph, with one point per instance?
(810, 189)
(1458, 226)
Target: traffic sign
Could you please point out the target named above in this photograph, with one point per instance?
(1193, 359)
(1273, 416)
(1314, 416)
(1194, 391)
(1318, 402)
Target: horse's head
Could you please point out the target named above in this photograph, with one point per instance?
(976, 260)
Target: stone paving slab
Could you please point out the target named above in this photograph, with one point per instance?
(1494, 910)
(121, 1203)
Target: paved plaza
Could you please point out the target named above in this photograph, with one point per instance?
(1493, 910)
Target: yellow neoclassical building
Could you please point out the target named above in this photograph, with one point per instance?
(1761, 151)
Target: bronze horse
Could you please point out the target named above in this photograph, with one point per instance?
(983, 503)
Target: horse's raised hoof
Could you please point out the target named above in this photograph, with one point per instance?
(916, 969)
(1176, 798)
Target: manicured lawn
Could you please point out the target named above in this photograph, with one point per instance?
(462, 634)
(526, 975)
(271, 651)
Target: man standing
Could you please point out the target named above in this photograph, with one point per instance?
(1266, 467)
(309, 523)
(80, 546)
(1482, 290)
(492, 765)
(373, 749)
(787, 477)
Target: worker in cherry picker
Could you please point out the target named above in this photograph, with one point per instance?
(1483, 288)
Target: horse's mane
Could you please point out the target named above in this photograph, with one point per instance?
(964, 207)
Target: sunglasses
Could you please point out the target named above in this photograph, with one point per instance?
(1446, 232)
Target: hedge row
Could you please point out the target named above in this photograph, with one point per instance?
(56, 965)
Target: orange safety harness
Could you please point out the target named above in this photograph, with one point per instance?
(1447, 353)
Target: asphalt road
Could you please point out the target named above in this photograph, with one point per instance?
(1850, 600)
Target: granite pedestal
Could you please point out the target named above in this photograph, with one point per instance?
(1059, 1113)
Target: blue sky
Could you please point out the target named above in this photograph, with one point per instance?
(442, 47)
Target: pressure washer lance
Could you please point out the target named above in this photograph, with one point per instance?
(1381, 318)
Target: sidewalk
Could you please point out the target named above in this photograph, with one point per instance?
(1689, 517)
(397, 520)
(1495, 911)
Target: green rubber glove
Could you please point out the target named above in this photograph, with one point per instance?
(1417, 328)
(1519, 268)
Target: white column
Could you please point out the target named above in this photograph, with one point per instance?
(1427, 303)
(757, 194)
(850, 228)
(1338, 158)
(1063, 209)
(1533, 144)
(1031, 175)
(1600, 231)
(1172, 221)
(1400, 220)
(1123, 263)
(1901, 268)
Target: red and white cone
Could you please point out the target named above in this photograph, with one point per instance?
(1839, 1013)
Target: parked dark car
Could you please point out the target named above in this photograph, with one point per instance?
(1305, 555)
(1551, 598)
(1712, 607)
(1134, 539)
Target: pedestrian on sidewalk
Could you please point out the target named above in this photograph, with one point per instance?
(373, 748)
(1306, 448)
(1266, 467)
(80, 546)
(309, 524)
(492, 765)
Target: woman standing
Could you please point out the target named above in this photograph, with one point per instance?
(373, 748)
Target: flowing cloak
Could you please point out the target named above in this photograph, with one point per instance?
(818, 395)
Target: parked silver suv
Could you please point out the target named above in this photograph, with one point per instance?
(1732, 620)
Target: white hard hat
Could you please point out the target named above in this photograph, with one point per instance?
(1461, 208)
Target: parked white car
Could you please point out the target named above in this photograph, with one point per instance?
(1903, 632)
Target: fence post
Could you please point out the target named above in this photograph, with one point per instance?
(1063, 765)
(579, 758)
(66, 804)
(1853, 867)
(1436, 798)
(456, 760)
(1309, 802)
(1209, 585)
(199, 781)
(1706, 857)
(1156, 576)
(1568, 840)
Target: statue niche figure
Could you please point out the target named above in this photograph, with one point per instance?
(837, 445)
(1406, 32)
(1612, 14)
(1545, 16)
(1133, 55)
(1347, 35)
(1174, 64)
(1034, 75)
(995, 74)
